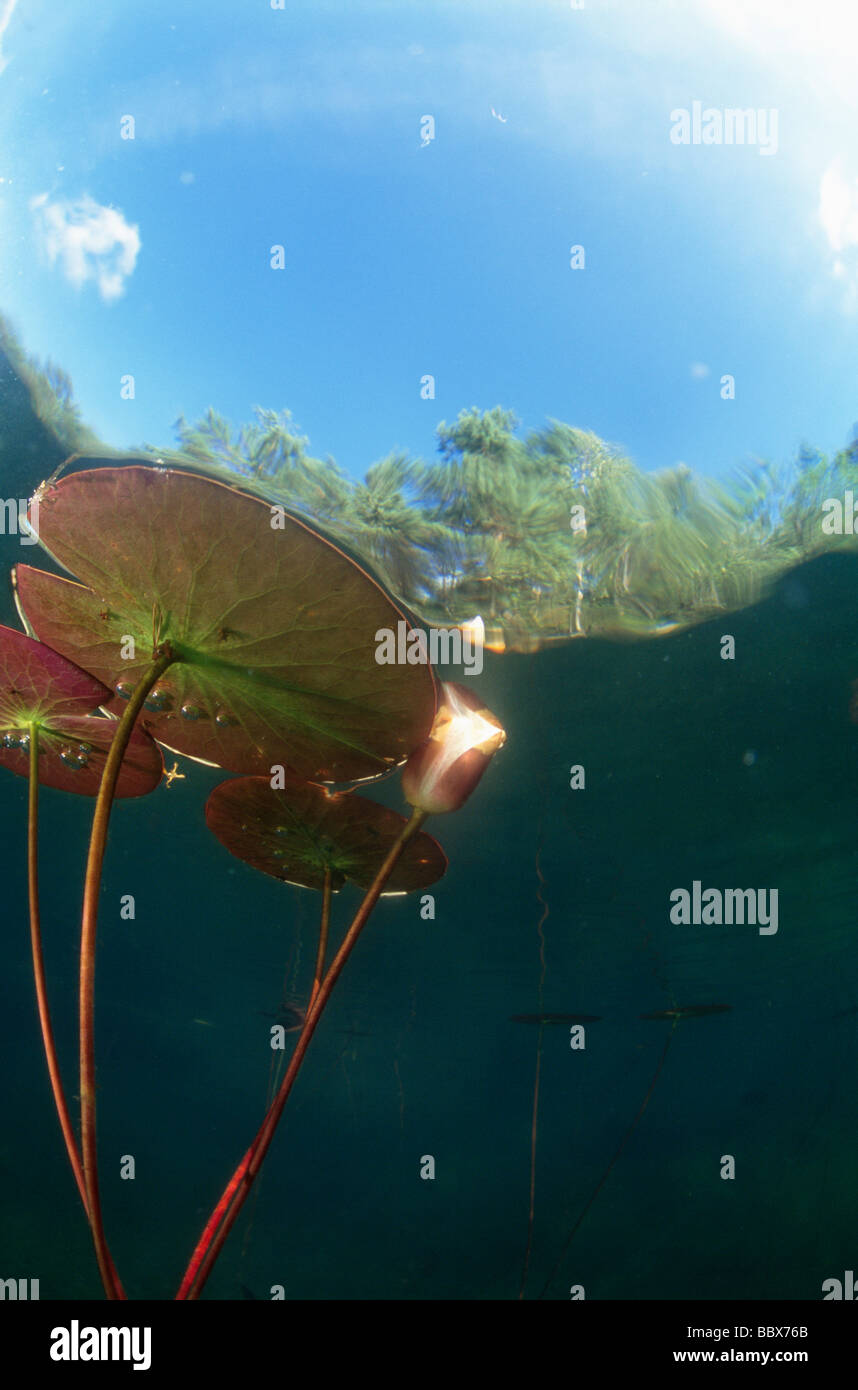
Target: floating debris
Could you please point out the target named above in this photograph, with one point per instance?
(689, 1011)
(554, 1018)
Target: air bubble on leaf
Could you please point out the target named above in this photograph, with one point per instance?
(125, 689)
(158, 700)
(225, 720)
(190, 711)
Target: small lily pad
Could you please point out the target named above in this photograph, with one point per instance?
(39, 687)
(274, 630)
(296, 833)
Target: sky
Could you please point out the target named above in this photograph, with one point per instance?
(427, 167)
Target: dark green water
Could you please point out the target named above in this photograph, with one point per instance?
(416, 1054)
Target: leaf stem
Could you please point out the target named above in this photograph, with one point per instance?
(323, 933)
(39, 968)
(162, 658)
(234, 1195)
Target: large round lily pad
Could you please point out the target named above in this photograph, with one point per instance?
(298, 832)
(274, 629)
(39, 687)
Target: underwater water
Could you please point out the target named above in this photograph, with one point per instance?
(694, 1127)
(418, 1054)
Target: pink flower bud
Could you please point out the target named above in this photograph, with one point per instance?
(441, 774)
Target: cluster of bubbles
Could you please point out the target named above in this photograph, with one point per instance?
(222, 718)
(19, 741)
(76, 756)
(161, 700)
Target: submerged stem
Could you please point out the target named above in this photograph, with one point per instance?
(534, 1122)
(224, 1215)
(92, 886)
(275, 1075)
(622, 1144)
(323, 934)
(39, 968)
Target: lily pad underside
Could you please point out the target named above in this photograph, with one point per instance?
(298, 832)
(274, 630)
(43, 692)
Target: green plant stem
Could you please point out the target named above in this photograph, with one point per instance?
(234, 1195)
(39, 969)
(162, 658)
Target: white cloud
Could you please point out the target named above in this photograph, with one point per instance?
(90, 242)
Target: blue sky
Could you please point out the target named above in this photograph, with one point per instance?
(301, 126)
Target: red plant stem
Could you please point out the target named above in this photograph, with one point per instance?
(233, 1198)
(323, 934)
(163, 657)
(228, 1193)
(223, 1205)
(39, 969)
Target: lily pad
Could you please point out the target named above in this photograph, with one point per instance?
(38, 686)
(273, 628)
(296, 833)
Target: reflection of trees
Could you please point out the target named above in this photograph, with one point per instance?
(485, 527)
(400, 538)
(269, 451)
(51, 394)
(509, 504)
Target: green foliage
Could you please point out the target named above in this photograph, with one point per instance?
(51, 396)
(267, 451)
(486, 527)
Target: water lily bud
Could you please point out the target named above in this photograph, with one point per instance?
(441, 774)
